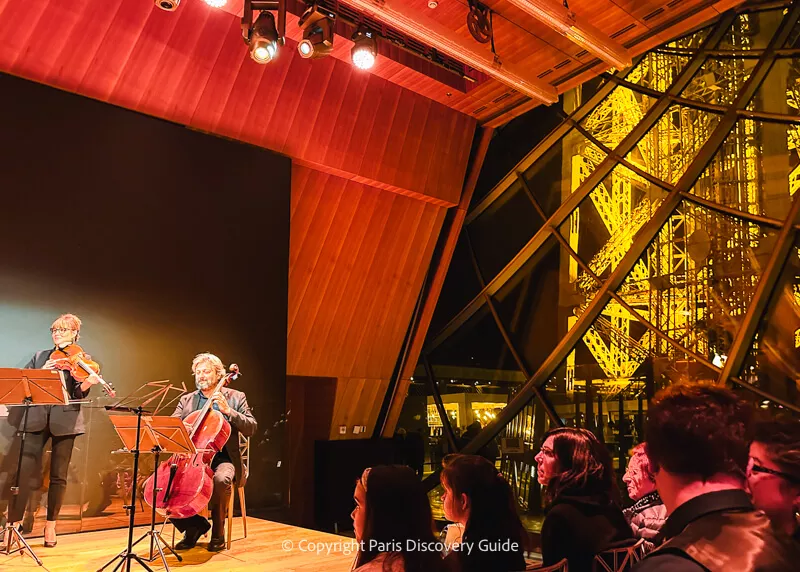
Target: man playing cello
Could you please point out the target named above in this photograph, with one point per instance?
(227, 464)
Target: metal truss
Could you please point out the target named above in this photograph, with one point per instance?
(666, 146)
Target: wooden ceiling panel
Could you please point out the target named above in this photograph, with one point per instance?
(358, 256)
(191, 66)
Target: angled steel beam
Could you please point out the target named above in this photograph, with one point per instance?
(437, 399)
(646, 234)
(548, 407)
(743, 340)
(575, 199)
(726, 210)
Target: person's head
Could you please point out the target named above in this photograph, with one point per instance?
(574, 459)
(773, 471)
(391, 509)
(478, 497)
(207, 369)
(65, 330)
(638, 477)
(696, 441)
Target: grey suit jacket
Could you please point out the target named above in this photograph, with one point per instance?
(241, 420)
(62, 419)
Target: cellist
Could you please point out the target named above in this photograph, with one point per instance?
(59, 423)
(227, 464)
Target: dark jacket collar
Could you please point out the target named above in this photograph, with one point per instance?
(719, 501)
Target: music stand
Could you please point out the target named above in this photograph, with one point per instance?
(155, 435)
(27, 388)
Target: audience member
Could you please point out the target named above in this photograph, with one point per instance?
(696, 444)
(647, 514)
(393, 523)
(479, 499)
(773, 473)
(583, 516)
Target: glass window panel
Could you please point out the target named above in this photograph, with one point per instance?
(503, 229)
(780, 90)
(532, 303)
(525, 432)
(602, 228)
(755, 170)
(673, 142)
(793, 41)
(615, 117)
(752, 31)
(460, 286)
(657, 70)
(696, 279)
(719, 80)
(415, 417)
(690, 41)
(475, 372)
(500, 231)
(773, 362)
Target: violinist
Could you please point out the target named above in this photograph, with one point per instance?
(59, 423)
(227, 464)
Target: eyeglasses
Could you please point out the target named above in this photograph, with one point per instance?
(59, 330)
(759, 469)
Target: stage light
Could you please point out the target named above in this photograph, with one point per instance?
(264, 37)
(317, 25)
(216, 3)
(168, 5)
(365, 49)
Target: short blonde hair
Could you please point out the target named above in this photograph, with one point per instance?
(68, 321)
(215, 362)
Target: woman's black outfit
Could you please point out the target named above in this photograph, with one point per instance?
(59, 423)
(578, 525)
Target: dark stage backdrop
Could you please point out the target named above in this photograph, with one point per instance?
(165, 241)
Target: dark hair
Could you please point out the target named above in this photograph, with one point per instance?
(397, 510)
(698, 429)
(584, 464)
(781, 439)
(492, 513)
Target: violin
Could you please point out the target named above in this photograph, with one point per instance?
(189, 478)
(73, 359)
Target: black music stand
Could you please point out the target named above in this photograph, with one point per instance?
(155, 435)
(27, 388)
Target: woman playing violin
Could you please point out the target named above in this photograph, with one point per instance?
(227, 464)
(59, 423)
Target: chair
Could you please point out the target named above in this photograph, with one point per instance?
(618, 559)
(244, 451)
(560, 566)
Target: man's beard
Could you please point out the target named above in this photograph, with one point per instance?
(201, 385)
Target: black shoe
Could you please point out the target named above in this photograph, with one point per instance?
(191, 537)
(216, 544)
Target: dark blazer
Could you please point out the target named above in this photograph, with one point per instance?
(241, 420)
(62, 419)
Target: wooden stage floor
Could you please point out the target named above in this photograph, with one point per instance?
(269, 547)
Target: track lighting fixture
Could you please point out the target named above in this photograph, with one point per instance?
(317, 25)
(263, 37)
(365, 49)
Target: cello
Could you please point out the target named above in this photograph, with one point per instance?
(189, 478)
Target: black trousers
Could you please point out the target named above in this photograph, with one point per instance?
(224, 473)
(31, 472)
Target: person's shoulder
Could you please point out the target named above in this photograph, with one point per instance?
(667, 561)
(230, 392)
(394, 560)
